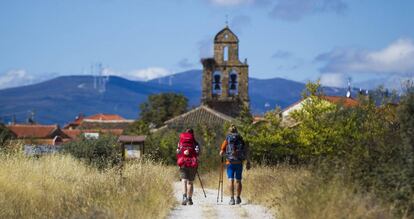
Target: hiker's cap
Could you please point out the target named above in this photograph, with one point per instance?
(233, 129)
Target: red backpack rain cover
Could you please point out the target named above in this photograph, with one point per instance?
(187, 142)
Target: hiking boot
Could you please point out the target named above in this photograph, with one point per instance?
(184, 202)
(231, 201)
(190, 201)
(238, 200)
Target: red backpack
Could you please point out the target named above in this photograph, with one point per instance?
(187, 143)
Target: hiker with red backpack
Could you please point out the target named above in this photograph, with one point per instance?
(235, 151)
(188, 151)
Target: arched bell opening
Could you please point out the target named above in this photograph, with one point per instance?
(216, 85)
(233, 83)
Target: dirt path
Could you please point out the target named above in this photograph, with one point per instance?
(209, 208)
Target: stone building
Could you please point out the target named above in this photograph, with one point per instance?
(225, 77)
(224, 86)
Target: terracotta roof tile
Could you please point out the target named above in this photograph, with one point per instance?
(72, 133)
(98, 118)
(32, 131)
(199, 115)
(348, 102)
(104, 117)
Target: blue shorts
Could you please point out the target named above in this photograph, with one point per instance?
(234, 171)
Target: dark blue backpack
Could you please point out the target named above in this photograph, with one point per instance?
(235, 150)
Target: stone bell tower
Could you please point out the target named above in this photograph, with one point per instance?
(225, 78)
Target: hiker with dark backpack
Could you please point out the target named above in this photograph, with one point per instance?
(187, 159)
(235, 151)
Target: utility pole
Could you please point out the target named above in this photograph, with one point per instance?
(14, 119)
(31, 119)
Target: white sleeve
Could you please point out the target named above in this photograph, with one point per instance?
(178, 147)
(197, 149)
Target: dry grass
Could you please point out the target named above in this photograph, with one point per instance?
(62, 187)
(296, 193)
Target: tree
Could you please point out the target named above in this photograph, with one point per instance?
(406, 112)
(5, 134)
(161, 107)
(316, 129)
(102, 152)
(139, 127)
(268, 141)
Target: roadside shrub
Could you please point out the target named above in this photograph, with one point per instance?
(268, 140)
(5, 136)
(102, 152)
(161, 146)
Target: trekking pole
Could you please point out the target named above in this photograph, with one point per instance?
(222, 169)
(201, 183)
(219, 183)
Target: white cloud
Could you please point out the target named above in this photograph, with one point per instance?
(397, 58)
(231, 2)
(15, 78)
(150, 73)
(140, 74)
(294, 10)
(334, 79)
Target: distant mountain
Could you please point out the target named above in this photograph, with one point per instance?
(61, 99)
(187, 80)
(272, 92)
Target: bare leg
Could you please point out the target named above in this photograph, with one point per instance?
(238, 187)
(184, 185)
(231, 187)
(190, 189)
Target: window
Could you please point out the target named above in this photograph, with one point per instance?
(216, 83)
(90, 135)
(233, 83)
(226, 53)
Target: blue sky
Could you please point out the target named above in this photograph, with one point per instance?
(142, 39)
